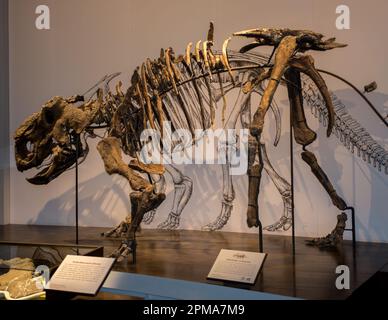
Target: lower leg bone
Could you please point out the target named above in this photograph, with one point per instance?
(254, 173)
(311, 160)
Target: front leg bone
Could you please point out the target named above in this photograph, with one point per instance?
(109, 149)
(143, 199)
(283, 54)
(120, 230)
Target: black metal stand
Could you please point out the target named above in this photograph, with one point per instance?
(292, 197)
(133, 248)
(292, 185)
(353, 228)
(77, 139)
(260, 226)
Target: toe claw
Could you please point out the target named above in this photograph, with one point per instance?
(126, 248)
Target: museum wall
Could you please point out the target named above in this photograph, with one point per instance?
(4, 114)
(91, 38)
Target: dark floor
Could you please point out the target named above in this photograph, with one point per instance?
(189, 255)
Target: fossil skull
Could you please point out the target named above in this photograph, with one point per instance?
(48, 139)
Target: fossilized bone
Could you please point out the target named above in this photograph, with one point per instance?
(19, 281)
(184, 90)
(333, 237)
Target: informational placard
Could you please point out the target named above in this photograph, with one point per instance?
(81, 274)
(237, 266)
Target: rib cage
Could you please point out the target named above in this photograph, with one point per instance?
(210, 85)
(187, 97)
(348, 130)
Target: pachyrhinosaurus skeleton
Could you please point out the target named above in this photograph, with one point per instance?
(184, 90)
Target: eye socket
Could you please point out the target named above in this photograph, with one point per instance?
(52, 111)
(49, 116)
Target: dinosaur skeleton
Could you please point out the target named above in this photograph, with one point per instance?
(185, 90)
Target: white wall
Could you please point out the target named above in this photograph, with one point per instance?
(91, 38)
(4, 114)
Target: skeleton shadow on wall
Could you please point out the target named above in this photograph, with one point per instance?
(97, 201)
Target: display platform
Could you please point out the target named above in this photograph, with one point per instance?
(189, 255)
(45, 253)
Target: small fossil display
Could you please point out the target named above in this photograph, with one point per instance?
(18, 279)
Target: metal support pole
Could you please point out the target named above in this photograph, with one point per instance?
(133, 248)
(292, 185)
(353, 228)
(260, 237)
(76, 190)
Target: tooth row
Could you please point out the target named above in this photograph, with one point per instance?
(351, 134)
